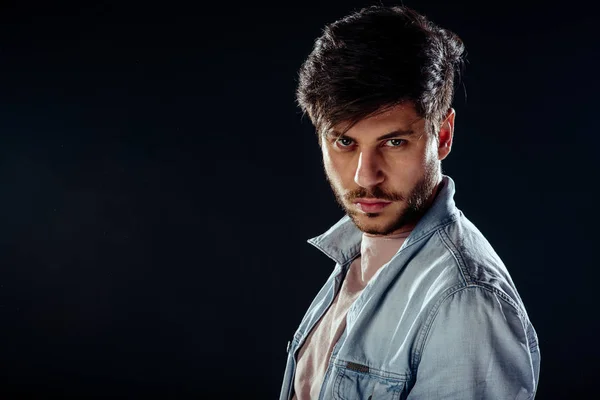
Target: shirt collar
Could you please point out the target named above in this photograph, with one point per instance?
(342, 241)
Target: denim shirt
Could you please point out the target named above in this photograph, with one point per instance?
(442, 320)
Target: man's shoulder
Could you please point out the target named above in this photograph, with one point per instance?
(472, 260)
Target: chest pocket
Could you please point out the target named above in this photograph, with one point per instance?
(359, 382)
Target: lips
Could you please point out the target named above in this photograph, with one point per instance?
(371, 206)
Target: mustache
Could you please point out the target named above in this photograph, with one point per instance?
(375, 193)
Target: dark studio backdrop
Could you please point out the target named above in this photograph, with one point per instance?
(158, 185)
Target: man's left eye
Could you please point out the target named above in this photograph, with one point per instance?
(396, 142)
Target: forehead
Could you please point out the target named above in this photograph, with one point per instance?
(401, 117)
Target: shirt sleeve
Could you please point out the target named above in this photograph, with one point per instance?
(475, 348)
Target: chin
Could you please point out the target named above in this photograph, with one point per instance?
(372, 223)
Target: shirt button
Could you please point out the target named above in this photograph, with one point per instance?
(287, 350)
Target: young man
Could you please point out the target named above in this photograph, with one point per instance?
(419, 306)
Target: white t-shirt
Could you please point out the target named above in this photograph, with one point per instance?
(313, 356)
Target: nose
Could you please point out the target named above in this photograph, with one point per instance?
(368, 173)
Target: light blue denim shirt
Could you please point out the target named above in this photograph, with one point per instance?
(442, 320)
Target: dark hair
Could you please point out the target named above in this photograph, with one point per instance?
(375, 59)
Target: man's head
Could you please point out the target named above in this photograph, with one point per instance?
(382, 71)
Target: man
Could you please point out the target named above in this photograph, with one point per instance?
(419, 306)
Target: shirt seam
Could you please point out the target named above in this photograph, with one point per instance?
(467, 278)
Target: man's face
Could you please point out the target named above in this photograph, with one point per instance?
(390, 159)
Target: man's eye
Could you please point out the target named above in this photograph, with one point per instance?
(343, 142)
(395, 142)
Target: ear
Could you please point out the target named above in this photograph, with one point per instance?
(446, 134)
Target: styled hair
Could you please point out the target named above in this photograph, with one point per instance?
(377, 58)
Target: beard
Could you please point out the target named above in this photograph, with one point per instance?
(416, 203)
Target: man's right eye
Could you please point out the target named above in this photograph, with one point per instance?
(343, 142)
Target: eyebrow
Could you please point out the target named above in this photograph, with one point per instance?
(393, 134)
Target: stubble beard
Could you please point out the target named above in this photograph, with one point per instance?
(416, 203)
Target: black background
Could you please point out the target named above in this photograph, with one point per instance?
(158, 185)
